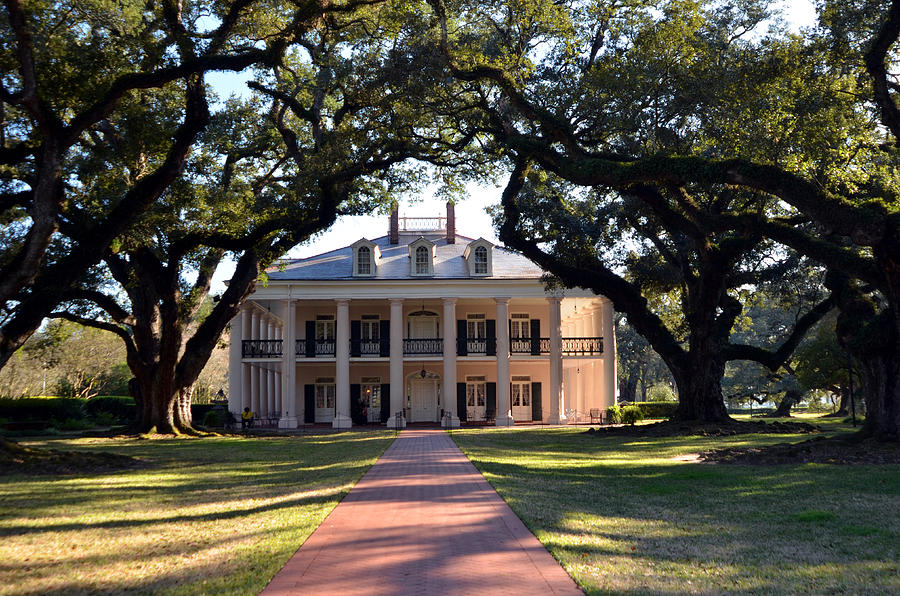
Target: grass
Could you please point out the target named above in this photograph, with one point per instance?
(624, 517)
(209, 516)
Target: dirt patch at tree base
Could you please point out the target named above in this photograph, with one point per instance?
(18, 459)
(819, 450)
(723, 429)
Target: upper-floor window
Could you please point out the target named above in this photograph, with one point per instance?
(421, 260)
(364, 261)
(481, 261)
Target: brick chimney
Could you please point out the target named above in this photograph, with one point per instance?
(451, 224)
(394, 229)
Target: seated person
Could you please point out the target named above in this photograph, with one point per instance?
(246, 418)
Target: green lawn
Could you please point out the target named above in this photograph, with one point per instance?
(211, 516)
(624, 516)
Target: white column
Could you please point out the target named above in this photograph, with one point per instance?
(270, 376)
(289, 417)
(235, 366)
(608, 328)
(342, 365)
(397, 389)
(246, 333)
(254, 390)
(556, 382)
(451, 418)
(504, 414)
(580, 331)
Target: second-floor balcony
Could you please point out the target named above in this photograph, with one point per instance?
(429, 346)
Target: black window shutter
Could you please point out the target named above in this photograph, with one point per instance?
(490, 327)
(536, 408)
(462, 346)
(536, 338)
(385, 401)
(310, 339)
(355, 335)
(461, 411)
(356, 407)
(491, 409)
(309, 403)
(384, 332)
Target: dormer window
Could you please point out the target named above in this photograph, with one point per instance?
(364, 261)
(478, 256)
(481, 261)
(366, 256)
(422, 260)
(421, 257)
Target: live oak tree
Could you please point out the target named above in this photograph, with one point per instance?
(610, 113)
(337, 128)
(117, 88)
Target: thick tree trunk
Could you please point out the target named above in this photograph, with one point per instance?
(790, 399)
(699, 384)
(627, 388)
(843, 409)
(879, 375)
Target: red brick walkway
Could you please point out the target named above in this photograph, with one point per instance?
(422, 521)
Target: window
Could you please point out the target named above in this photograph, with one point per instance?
(475, 392)
(481, 261)
(475, 326)
(324, 327)
(519, 326)
(370, 327)
(364, 261)
(371, 396)
(422, 260)
(521, 391)
(325, 393)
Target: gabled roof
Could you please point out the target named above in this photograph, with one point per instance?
(448, 263)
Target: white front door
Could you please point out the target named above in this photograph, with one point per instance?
(475, 398)
(325, 393)
(423, 327)
(423, 400)
(520, 398)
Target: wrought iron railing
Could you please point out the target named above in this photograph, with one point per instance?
(582, 346)
(476, 345)
(314, 347)
(529, 345)
(369, 347)
(426, 346)
(261, 348)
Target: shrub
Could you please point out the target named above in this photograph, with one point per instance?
(614, 414)
(631, 414)
(106, 419)
(199, 411)
(41, 408)
(121, 407)
(214, 418)
(657, 409)
(73, 424)
(661, 392)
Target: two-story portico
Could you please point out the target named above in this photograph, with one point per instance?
(420, 325)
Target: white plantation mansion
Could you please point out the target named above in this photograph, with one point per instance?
(421, 325)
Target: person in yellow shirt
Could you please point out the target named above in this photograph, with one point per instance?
(246, 418)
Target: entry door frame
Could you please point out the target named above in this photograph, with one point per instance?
(424, 390)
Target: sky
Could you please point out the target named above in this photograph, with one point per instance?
(472, 219)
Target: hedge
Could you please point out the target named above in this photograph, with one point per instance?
(41, 408)
(657, 409)
(122, 407)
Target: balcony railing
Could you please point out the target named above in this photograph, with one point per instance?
(261, 348)
(370, 347)
(432, 346)
(529, 345)
(582, 346)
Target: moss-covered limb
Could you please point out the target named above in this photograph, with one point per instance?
(864, 223)
(774, 359)
(876, 63)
